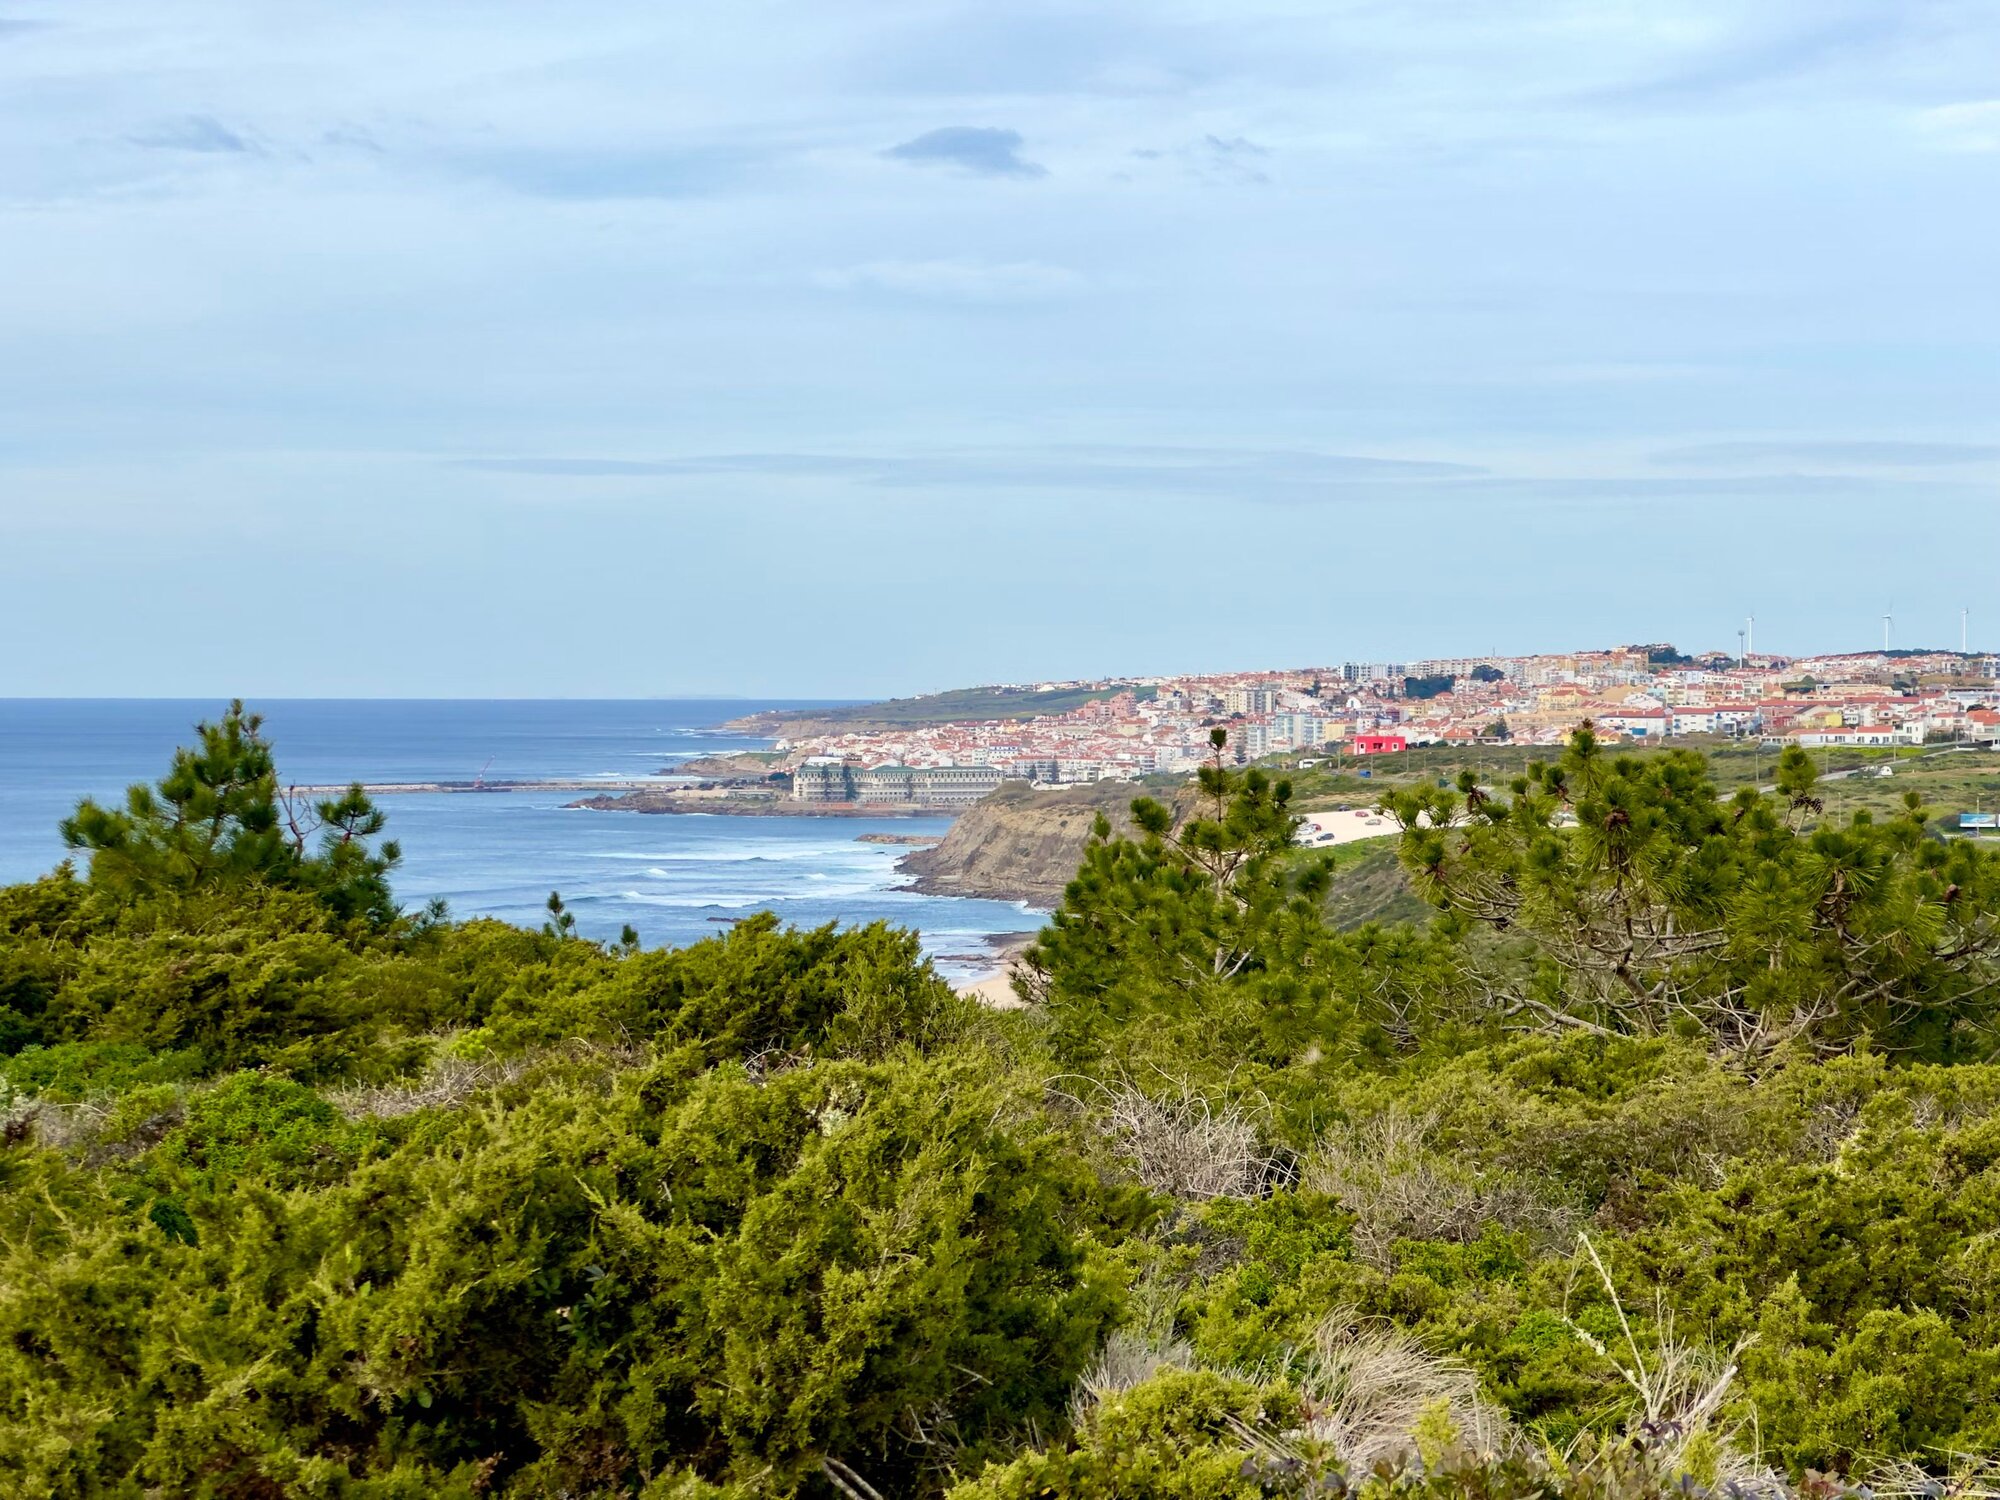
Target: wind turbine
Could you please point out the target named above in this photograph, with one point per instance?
(1888, 619)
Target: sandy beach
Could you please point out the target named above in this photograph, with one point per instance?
(996, 989)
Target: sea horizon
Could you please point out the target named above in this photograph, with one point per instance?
(253, 701)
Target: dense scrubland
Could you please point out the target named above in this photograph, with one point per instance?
(1662, 1157)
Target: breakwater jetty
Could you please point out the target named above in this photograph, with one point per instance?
(406, 788)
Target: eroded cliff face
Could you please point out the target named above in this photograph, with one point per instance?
(1024, 845)
(1019, 844)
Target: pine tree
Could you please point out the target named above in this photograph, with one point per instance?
(1653, 903)
(217, 819)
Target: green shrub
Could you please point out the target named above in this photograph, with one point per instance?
(253, 1125)
(702, 1271)
(1175, 1437)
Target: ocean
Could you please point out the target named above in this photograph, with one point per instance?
(677, 878)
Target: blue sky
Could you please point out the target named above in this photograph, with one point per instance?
(517, 349)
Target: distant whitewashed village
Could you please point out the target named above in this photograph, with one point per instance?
(1649, 694)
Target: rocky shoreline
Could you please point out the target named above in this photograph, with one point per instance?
(738, 802)
(734, 765)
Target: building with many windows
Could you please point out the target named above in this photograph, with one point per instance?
(1295, 731)
(1249, 700)
(822, 778)
(1250, 740)
(1846, 737)
(832, 779)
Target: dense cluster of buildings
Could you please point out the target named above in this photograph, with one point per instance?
(1647, 693)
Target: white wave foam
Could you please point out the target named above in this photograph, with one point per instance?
(696, 902)
(834, 891)
(720, 857)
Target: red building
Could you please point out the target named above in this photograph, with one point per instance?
(1377, 744)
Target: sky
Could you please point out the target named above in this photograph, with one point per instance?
(507, 349)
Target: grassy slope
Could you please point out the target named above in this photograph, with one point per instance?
(978, 703)
(1370, 886)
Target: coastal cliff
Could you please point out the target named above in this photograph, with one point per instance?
(1019, 844)
(1024, 845)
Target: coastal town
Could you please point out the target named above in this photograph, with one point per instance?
(1128, 728)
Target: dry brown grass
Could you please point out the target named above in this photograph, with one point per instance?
(1967, 1476)
(1368, 1385)
(1177, 1141)
(105, 1127)
(448, 1081)
(1387, 1175)
(91, 1128)
(1128, 1359)
(60, 1127)
(444, 1084)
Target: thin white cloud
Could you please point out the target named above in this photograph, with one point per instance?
(1971, 126)
(956, 280)
(1845, 453)
(1625, 372)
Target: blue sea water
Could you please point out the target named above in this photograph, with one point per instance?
(676, 878)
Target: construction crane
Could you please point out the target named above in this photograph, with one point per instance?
(479, 781)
